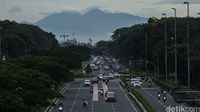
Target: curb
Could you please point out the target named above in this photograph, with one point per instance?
(55, 100)
(138, 102)
(134, 98)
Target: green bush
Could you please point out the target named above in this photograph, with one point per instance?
(144, 102)
(163, 84)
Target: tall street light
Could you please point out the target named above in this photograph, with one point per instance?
(176, 81)
(188, 43)
(0, 41)
(165, 16)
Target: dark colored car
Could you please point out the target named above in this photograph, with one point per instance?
(110, 96)
(94, 80)
(105, 78)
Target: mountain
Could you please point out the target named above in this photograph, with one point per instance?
(95, 24)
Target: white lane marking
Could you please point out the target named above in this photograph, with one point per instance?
(113, 88)
(120, 87)
(130, 103)
(113, 108)
(74, 103)
(95, 93)
(150, 88)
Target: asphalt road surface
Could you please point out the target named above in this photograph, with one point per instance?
(151, 94)
(75, 93)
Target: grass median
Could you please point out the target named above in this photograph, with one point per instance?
(140, 98)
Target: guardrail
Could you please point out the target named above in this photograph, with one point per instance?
(55, 100)
(134, 98)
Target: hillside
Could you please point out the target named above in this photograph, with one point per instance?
(95, 24)
(20, 38)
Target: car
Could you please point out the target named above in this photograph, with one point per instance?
(116, 74)
(106, 67)
(105, 78)
(94, 80)
(139, 79)
(136, 84)
(87, 83)
(100, 76)
(111, 76)
(96, 68)
(110, 96)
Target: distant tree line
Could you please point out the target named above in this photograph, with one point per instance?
(26, 82)
(35, 67)
(18, 39)
(147, 40)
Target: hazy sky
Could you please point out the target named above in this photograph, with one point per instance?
(34, 10)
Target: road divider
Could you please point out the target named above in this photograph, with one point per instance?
(137, 97)
(95, 93)
(55, 100)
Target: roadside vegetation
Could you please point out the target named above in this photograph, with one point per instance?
(141, 99)
(146, 41)
(35, 67)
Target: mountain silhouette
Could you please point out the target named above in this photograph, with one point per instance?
(95, 24)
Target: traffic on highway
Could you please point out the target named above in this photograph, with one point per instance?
(99, 55)
(103, 90)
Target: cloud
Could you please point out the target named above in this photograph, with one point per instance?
(148, 9)
(178, 1)
(15, 9)
(45, 13)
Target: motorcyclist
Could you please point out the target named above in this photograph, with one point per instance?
(101, 92)
(164, 98)
(60, 107)
(85, 103)
(164, 92)
(149, 83)
(159, 95)
(106, 81)
(91, 90)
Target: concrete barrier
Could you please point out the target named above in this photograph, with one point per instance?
(134, 98)
(55, 100)
(138, 102)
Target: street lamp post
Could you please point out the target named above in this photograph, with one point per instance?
(165, 16)
(0, 41)
(25, 46)
(188, 43)
(175, 49)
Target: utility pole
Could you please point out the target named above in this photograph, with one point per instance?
(175, 46)
(188, 42)
(165, 16)
(146, 53)
(0, 41)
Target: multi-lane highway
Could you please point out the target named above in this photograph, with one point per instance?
(75, 93)
(151, 94)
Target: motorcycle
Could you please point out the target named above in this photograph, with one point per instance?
(60, 107)
(85, 103)
(149, 84)
(106, 82)
(91, 90)
(159, 96)
(101, 92)
(164, 98)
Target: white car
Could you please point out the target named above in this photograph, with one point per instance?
(87, 83)
(111, 76)
(136, 82)
(100, 76)
(116, 74)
